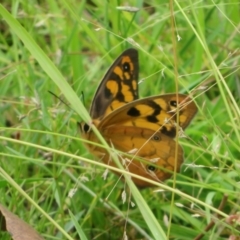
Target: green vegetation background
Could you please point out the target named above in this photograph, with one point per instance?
(48, 178)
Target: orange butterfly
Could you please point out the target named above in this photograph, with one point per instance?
(143, 130)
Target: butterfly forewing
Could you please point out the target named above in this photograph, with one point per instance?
(119, 85)
(158, 113)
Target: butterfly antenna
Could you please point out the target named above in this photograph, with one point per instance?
(60, 99)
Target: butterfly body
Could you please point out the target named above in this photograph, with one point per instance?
(141, 131)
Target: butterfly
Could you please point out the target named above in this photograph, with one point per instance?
(141, 130)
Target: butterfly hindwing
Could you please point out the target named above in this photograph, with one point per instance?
(141, 151)
(119, 85)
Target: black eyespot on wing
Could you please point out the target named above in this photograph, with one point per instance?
(156, 137)
(126, 67)
(133, 112)
(151, 168)
(173, 103)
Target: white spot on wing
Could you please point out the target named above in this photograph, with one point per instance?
(134, 150)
